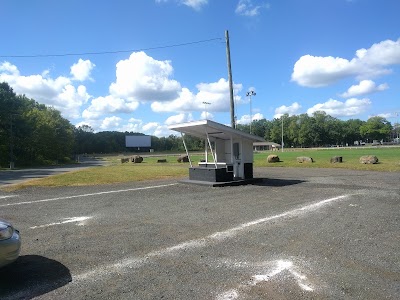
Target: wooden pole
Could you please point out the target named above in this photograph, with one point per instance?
(228, 57)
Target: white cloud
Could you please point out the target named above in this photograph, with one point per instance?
(72, 99)
(110, 123)
(195, 4)
(384, 53)
(216, 93)
(133, 125)
(258, 116)
(206, 115)
(142, 78)
(151, 128)
(363, 88)
(249, 9)
(7, 68)
(348, 108)
(106, 105)
(82, 69)
(59, 92)
(314, 71)
(180, 118)
(184, 102)
(290, 110)
(163, 130)
(245, 119)
(384, 115)
(133, 120)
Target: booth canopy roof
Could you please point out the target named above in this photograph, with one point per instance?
(214, 129)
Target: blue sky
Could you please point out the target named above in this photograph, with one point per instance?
(146, 64)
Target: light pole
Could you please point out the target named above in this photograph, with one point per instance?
(249, 94)
(205, 108)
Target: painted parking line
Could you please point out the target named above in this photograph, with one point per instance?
(217, 237)
(88, 195)
(79, 220)
(8, 196)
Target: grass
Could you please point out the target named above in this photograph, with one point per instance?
(115, 172)
(110, 174)
(389, 158)
(150, 169)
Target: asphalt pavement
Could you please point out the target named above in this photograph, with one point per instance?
(14, 176)
(300, 234)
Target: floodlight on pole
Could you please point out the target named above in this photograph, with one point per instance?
(249, 94)
(205, 108)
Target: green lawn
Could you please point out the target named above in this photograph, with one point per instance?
(116, 172)
(389, 158)
(150, 169)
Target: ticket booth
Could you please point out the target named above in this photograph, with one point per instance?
(228, 154)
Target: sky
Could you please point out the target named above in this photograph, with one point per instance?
(140, 66)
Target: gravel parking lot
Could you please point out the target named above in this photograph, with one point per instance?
(300, 234)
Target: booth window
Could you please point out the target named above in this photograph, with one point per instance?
(236, 150)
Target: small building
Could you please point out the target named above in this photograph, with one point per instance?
(231, 151)
(266, 146)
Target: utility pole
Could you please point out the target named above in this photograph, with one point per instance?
(228, 57)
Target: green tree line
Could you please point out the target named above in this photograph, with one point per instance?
(31, 133)
(87, 141)
(34, 134)
(321, 129)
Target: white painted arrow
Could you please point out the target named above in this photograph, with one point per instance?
(79, 220)
(281, 265)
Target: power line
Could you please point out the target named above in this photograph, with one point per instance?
(110, 52)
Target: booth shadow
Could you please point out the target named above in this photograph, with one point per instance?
(277, 182)
(31, 276)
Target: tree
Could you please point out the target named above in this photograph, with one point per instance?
(305, 137)
(320, 130)
(31, 132)
(351, 131)
(376, 128)
(243, 127)
(261, 128)
(292, 134)
(84, 139)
